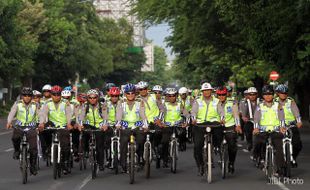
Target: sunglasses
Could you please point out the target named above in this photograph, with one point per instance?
(268, 94)
(222, 94)
(27, 95)
(157, 92)
(92, 98)
(56, 94)
(171, 95)
(143, 89)
(252, 94)
(36, 97)
(114, 96)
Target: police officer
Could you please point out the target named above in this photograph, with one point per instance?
(292, 117)
(130, 114)
(92, 117)
(247, 111)
(269, 120)
(174, 114)
(232, 123)
(58, 114)
(205, 110)
(25, 112)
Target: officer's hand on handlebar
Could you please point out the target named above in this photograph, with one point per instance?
(194, 122)
(282, 130)
(41, 126)
(104, 128)
(238, 129)
(69, 126)
(299, 125)
(9, 126)
(118, 126)
(255, 131)
(145, 129)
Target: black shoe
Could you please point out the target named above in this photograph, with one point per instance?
(124, 170)
(65, 171)
(33, 170)
(250, 147)
(76, 159)
(86, 154)
(157, 163)
(16, 155)
(231, 168)
(294, 164)
(201, 171)
(101, 167)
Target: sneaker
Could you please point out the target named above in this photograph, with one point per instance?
(231, 168)
(294, 164)
(101, 167)
(165, 164)
(33, 170)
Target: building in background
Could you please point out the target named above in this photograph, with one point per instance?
(116, 9)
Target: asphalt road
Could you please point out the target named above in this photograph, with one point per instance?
(246, 175)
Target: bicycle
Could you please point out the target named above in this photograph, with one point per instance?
(132, 156)
(115, 150)
(224, 154)
(24, 157)
(56, 160)
(288, 150)
(148, 154)
(208, 148)
(92, 151)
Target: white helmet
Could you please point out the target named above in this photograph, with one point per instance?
(47, 87)
(245, 92)
(65, 93)
(206, 86)
(93, 92)
(171, 91)
(36, 93)
(157, 88)
(142, 84)
(183, 90)
(252, 90)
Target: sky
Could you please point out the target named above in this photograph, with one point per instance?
(157, 35)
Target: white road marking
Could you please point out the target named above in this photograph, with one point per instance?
(9, 150)
(5, 133)
(84, 182)
(282, 186)
(56, 185)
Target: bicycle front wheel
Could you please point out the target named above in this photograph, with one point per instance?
(24, 165)
(224, 160)
(147, 166)
(174, 157)
(209, 163)
(132, 163)
(287, 160)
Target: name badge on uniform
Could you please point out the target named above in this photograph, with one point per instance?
(229, 109)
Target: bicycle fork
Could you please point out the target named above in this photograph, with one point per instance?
(55, 143)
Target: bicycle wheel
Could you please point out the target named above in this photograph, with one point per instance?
(224, 160)
(132, 163)
(93, 164)
(174, 157)
(24, 165)
(209, 163)
(147, 166)
(287, 160)
(269, 164)
(55, 164)
(81, 161)
(115, 158)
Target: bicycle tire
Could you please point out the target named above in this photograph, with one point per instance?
(288, 165)
(174, 157)
(93, 164)
(132, 163)
(55, 164)
(115, 158)
(209, 163)
(147, 166)
(269, 165)
(224, 160)
(24, 165)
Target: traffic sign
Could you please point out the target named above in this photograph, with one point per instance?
(274, 75)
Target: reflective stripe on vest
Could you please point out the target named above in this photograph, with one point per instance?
(207, 112)
(269, 117)
(57, 116)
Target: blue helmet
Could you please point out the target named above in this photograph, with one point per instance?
(68, 88)
(281, 88)
(129, 88)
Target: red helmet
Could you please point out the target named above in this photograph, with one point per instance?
(56, 89)
(114, 91)
(221, 91)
